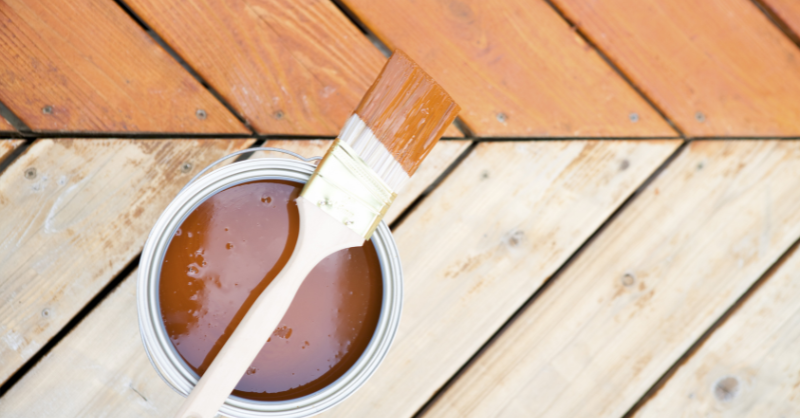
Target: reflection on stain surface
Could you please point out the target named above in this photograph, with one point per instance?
(226, 252)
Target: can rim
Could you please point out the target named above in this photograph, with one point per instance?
(160, 351)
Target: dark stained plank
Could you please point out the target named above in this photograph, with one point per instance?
(86, 66)
(289, 67)
(716, 67)
(74, 222)
(641, 294)
(515, 67)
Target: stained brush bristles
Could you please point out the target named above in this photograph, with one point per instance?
(399, 120)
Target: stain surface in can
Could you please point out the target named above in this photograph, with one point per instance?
(221, 258)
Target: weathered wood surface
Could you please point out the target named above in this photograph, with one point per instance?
(633, 302)
(8, 145)
(511, 76)
(99, 369)
(716, 68)
(119, 380)
(480, 245)
(75, 213)
(85, 65)
(749, 367)
(441, 157)
(288, 67)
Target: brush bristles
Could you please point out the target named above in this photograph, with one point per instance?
(360, 137)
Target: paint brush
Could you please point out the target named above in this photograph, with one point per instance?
(393, 129)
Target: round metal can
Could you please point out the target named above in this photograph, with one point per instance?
(163, 356)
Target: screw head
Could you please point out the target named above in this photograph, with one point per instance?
(624, 165)
(700, 117)
(47, 110)
(633, 117)
(502, 117)
(726, 388)
(279, 114)
(628, 279)
(201, 114)
(30, 173)
(45, 312)
(186, 167)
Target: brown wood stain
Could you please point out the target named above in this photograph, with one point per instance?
(223, 256)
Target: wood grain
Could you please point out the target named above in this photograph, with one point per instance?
(510, 76)
(749, 366)
(288, 67)
(716, 68)
(787, 13)
(482, 243)
(67, 232)
(5, 126)
(101, 369)
(8, 145)
(85, 65)
(632, 303)
(440, 158)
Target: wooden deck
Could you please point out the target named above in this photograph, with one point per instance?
(609, 230)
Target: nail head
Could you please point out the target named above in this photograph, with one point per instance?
(201, 114)
(634, 117)
(30, 173)
(700, 117)
(501, 117)
(47, 110)
(186, 167)
(726, 388)
(628, 279)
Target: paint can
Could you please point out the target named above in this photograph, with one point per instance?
(163, 356)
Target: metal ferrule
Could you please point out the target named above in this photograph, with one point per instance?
(345, 187)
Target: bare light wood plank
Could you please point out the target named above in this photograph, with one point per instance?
(482, 243)
(633, 302)
(8, 145)
(289, 67)
(101, 369)
(515, 67)
(716, 68)
(749, 367)
(444, 153)
(82, 217)
(85, 65)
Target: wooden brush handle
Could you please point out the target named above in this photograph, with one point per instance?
(320, 235)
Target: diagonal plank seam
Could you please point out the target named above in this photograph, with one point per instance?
(547, 283)
(182, 62)
(616, 68)
(13, 119)
(442, 177)
(72, 324)
(386, 51)
(21, 149)
(695, 347)
(777, 21)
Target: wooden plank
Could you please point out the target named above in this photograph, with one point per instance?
(633, 302)
(289, 67)
(787, 13)
(85, 65)
(444, 153)
(5, 126)
(8, 145)
(104, 352)
(749, 366)
(510, 76)
(716, 68)
(105, 361)
(75, 213)
(482, 243)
